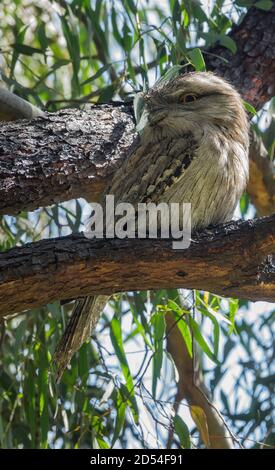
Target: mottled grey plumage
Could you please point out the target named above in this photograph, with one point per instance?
(192, 147)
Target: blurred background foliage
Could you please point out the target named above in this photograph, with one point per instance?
(120, 387)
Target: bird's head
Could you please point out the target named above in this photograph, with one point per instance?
(196, 102)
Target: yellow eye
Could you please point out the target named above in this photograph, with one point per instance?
(189, 97)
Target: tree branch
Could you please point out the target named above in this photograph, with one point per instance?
(66, 155)
(12, 107)
(72, 153)
(236, 259)
(252, 68)
(190, 386)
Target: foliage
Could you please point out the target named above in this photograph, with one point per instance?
(119, 389)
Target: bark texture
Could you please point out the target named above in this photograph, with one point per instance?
(65, 155)
(252, 68)
(236, 259)
(72, 153)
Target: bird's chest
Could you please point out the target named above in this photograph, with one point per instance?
(212, 183)
(152, 169)
(182, 170)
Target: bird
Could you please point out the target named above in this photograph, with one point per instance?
(191, 146)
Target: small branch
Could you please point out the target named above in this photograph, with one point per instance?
(233, 260)
(12, 107)
(219, 436)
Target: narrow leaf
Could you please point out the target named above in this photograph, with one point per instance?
(159, 329)
(249, 108)
(201, 341)
(264, 5)
(200, 420)
(182, 431)
(117, 342)
(197, 59)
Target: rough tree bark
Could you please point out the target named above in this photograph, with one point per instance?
(73, 153)
(68, 154)
(252, 68)
(234, 259)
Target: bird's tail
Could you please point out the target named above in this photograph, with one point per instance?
(84, 318)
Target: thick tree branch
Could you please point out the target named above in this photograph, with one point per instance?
(73, 153)
(69, 154)
(236, 259)
(252, 68)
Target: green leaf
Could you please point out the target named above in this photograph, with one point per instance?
(185, 331)
(43, 396)
(249, 108)
(42, 37)
(244, 204)
(132, 6)
(15, 54)
(127, 37)
(158, 335)
(99, 35)
(198, 12)
(196, 58)
(30, 408)
(116, 32)
(83, 363)
(228, 42)
(106, 94)
(172, 73)
(102, 444)
(72, 40)
(201, 341)
(185, 18)
(244, 3)
(27, 50)
(208, 309)
(117, 342)
(182, 432)
(140, 328)
(233, 309)
(216, 332)
(97, 74)
(176, 12)
(264, 5)
(210, 37)
(121, 406)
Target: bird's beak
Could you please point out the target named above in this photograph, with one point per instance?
(141, 112)
(144, 116)
(143, 121)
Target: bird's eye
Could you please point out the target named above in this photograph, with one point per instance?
(189, 98)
